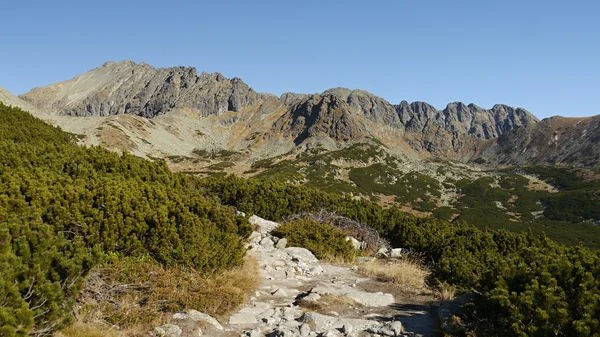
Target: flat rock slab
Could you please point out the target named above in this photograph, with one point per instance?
(242, 318)
(362, 297)
(301, 254)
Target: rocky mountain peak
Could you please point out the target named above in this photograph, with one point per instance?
(140, 89)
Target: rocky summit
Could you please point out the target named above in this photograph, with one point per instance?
(140, 89)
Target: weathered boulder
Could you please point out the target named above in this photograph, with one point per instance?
(266, 242)
(281, 243)
(263, 226)
(301, 255)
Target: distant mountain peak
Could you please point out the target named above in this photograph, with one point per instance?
(342, 114)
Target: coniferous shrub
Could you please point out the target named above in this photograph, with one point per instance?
(64, 207)
(323, 240)
(524, 285)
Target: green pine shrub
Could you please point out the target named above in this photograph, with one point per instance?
(64, 208)
(524, 284)
(323, 240)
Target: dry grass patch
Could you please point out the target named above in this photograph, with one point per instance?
(329, 302)
(445, 292)
(140, 295)
(86, 330)
(408, 272)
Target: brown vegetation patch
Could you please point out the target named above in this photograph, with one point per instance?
(408, 209)
(113, 137)
(329, 302)
(408, 272)
(139, 295)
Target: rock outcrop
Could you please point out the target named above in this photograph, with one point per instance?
(553, 141)
(464, 119)
(140, 89)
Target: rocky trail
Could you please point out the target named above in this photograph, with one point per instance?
(302, 296)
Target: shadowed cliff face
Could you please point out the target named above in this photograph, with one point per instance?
(464, 119)
(320, 116)
(553, 141)
(500, 135)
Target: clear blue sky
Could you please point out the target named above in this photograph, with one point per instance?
(540, 55)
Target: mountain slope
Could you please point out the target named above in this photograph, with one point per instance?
(139, 89)
(9, 99)
(553, 141)
(336, 116)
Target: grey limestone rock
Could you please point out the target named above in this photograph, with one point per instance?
(281, 243)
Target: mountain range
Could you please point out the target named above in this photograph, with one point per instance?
(173, 111)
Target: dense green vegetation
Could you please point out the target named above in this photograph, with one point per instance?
(501, 200)
(525, 285)
(579, 199)
(323, 240)
(63, 208)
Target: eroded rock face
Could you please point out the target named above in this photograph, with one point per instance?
(333, 119)
(553, 141)
(464, 119)
(139, 89)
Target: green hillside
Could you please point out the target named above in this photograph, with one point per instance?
(497, 199)
(65, 209)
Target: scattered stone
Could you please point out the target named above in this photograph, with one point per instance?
(397, 252)
(255, 237)
(255, 333)
(294, 268)
(279, 275)
(304, 330)
(312, 297)
(266, 242)
(281, 243)
(332, 333)
(321, 322)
